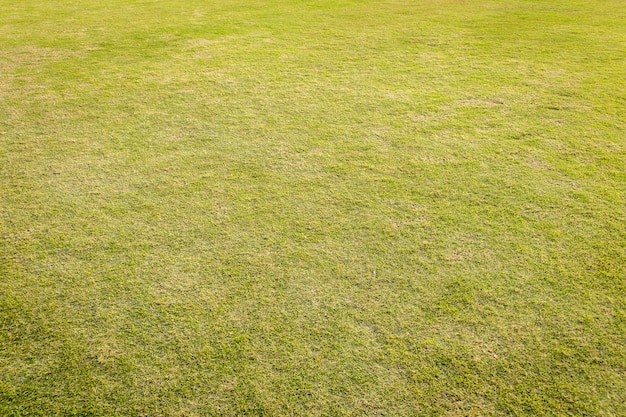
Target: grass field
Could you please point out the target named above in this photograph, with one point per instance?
(313, 208)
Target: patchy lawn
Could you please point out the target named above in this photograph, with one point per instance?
(312, 208)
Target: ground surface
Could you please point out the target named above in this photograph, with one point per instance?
(312, 208)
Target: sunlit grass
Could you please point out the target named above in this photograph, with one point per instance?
(312, 208)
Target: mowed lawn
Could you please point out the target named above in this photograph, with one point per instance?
(313, 208)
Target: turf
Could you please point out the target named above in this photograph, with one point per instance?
(403, 208)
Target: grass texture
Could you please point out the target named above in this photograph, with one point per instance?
(320, 208)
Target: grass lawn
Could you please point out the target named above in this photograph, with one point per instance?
(313, 208)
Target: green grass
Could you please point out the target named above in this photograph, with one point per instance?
(313, 208)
